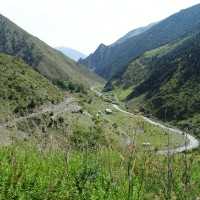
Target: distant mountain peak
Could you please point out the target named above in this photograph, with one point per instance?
(102, 46)
(71, 53)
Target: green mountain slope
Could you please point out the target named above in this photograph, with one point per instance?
(109, 61)
(22, 89)
(171, 88)
(139, 69)
(49, 62)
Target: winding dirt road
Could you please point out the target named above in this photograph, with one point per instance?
(192, 142)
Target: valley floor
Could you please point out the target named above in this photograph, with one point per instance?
(76, 150)
(190, 141)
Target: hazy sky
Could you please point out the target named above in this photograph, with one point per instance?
(84, 24)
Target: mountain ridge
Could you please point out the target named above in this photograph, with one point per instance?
(114, 60)
(134, 33)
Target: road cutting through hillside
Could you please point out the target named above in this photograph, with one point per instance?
(69, 104)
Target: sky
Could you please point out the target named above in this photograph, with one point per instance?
(84, 24)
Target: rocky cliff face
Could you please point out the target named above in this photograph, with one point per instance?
(97, 57)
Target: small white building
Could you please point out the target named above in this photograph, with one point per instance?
(108, 111)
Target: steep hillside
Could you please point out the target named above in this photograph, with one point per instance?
(46, 60)
(109, 61)
(171, 90)
(103, 53)
(22, 89)
(140, 69)
(71, 53)
(94, 61)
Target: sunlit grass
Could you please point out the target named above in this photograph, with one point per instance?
(27, 173)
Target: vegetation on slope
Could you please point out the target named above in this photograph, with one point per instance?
(171, 90)
(140, 69)
(22, 89)
(46, 60)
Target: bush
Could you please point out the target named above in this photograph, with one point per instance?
(70, 86)
(90, 138)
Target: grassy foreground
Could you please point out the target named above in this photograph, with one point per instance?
(103, 173)
(83, 156)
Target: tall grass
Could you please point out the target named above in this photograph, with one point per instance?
(27, 173)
